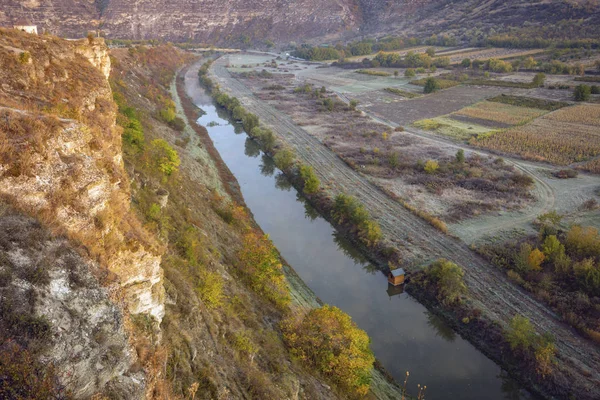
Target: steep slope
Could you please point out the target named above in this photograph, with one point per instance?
(200, 20)
(53, 305)
(61, 163)
(236, 22)
(426, 17)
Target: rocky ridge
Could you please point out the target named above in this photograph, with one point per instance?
(235, 22)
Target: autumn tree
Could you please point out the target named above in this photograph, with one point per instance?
(535, 259)
(520, 333)
(588, 275)
(164, 157)
(553, 248)
(259, 262)
(327, 339)
(311, 181)
(431, 166)
(448, 279)
(284, 159)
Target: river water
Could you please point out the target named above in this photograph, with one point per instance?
(405, 336)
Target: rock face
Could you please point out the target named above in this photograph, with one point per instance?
(67, 168)
(283, 21)
(44, 279)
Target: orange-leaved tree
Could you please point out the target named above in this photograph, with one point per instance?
(327, 339)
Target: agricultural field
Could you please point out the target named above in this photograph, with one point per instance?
(500, 114)
(484, 118)
(454, 128)
(569, 135)
(430, 106)
(394, 160)
(483, 54)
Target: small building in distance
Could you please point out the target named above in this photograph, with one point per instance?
(396, 277)
(25, 26)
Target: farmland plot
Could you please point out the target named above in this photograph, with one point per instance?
(505, 114)
(563, 137)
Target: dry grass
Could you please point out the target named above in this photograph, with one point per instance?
(548, 140)
(585, 114)
(501, 113)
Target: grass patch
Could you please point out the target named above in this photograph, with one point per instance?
(402, 93)
(588, 79)
(489, 82)
(441, 83)
(373, 73)
(452, 128)
(529, 102)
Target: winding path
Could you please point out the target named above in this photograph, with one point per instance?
(491, 291)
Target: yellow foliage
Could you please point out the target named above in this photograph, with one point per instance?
(260, 263)
(431, 166)
(535, 259)
(328, 340)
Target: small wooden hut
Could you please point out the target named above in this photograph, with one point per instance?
(396, 277)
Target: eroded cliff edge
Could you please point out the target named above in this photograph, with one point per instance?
(61, 163)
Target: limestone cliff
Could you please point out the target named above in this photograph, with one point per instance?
(61, 161)
(48, 288)
(300, 20)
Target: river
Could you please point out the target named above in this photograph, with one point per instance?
(405, 335)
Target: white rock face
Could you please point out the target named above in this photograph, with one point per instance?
(75, 177)
(87, 342)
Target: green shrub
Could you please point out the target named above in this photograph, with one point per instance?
(431, 85)
(284, 159)
(24, 57)
(448, 279)
(178, 124)
(539, 79)
(582, 93)
(164, 157)
(410, 73)
(311, 181)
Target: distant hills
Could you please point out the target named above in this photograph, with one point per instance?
(283, 21)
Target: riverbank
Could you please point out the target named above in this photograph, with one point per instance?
(495, 300)
(441, 361)
(302, 296)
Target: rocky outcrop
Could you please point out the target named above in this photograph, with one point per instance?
(69, 167)
(46, 283)
(61, 161)
(286, 21)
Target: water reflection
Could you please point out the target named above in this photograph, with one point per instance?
(282, 183)
(251, 148)
(440, 327)
(267, 166)
(404, 336)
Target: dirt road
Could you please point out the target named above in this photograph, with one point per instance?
(489, 288)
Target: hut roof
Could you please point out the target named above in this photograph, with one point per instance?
(23, 22)
(397, 272)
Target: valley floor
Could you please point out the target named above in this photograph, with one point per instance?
(489, 288)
